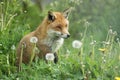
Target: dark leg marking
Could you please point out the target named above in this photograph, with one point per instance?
(56, 58)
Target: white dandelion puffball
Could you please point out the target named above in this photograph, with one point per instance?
(76, 44)
(49, 56)
(33, 39)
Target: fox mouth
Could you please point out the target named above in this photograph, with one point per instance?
(58, 34)
(65, 36)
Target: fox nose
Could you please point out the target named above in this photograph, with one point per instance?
(68, 35)
(65, 36)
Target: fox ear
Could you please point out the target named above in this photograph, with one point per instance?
(51, 16)
(66, 12)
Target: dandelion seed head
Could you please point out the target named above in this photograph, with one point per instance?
(76, 44)
(49, 56)
(33, 39)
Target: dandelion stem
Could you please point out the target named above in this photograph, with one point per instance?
(13, 56)
(112, 40)
(8, 64)
(2, 21)
(81, 53)
(33, 53)
(93, 48)
(93, 51)
(10, 20)
(107, 38)
(84, 35)
(20, 67)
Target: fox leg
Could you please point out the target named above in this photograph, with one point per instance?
(56, 58)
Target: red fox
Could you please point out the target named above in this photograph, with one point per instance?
(50, 35)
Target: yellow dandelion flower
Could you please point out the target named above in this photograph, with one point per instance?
(102, 49)
(117, 78)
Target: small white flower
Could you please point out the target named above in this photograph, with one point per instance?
(76, 44)
(49, 56)
(0, 44)
(104, 61)
(83, 65)
(33, 39)
(51, 4)
(17, 79)
(68, 51)
(93, 42)
(87, 24)
(107, 43)
(13, 47)
(2, 3)
(115, 33)
(89, 72)
(25, 11)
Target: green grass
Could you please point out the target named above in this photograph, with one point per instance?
(95, 60)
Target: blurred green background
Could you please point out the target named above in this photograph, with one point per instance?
(20, 17)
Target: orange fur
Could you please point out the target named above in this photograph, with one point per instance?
(48, 41)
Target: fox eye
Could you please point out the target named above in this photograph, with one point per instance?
(66, 25)
(59, 27)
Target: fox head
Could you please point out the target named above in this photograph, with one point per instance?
(58, 24)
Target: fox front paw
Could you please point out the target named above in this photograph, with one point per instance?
(56, 58)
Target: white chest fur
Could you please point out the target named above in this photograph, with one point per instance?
(54, 44)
